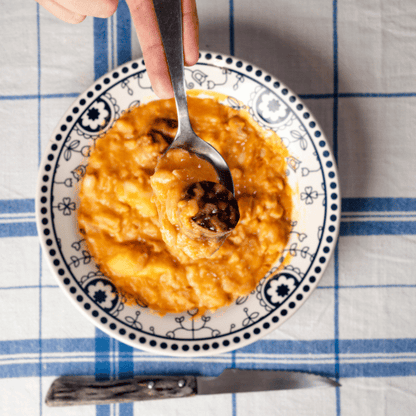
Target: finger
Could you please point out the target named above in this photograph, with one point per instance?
(61, 12)
(96, 8)
(190, 32)
(145, 22)
(147, 29)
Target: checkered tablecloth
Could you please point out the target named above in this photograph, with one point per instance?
(354, 63)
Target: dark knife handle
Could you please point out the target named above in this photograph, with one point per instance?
(79, 390)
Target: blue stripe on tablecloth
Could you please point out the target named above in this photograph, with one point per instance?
(100, 347)
(112, 46)
(29, 287)
(16, 229)
(378, 204)
(14, 206)
(37, 96)
(316, 96)
(317, 347)
(50, 345)
(378, 95)
(336, 84)
(392, 346)
(125, 370)
(355, 228)
(231, 27)
(102, 367)
(100, 47)
(369, 365)
(403, 369)
(322, 347)
(123, 33)
(214, 366)
(125, 363)
(336, 326)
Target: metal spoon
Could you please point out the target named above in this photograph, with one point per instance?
(169, 17)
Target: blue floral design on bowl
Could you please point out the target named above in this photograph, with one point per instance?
(270, 108)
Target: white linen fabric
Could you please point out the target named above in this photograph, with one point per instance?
(353, 62)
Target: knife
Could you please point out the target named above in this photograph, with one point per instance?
(81, 390)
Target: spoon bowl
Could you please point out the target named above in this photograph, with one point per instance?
(169, 18)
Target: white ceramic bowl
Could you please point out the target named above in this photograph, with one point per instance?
(311, 171)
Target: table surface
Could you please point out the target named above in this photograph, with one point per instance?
(353, 62)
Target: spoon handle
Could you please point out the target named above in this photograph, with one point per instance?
(169, 18)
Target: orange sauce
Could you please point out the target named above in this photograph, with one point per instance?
(119, 218)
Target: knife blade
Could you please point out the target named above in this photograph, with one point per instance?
(87, 390)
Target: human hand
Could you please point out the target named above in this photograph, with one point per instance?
(147, 29)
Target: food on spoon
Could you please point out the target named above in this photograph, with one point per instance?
(208, 209)
(120, 223)
(189, 222)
